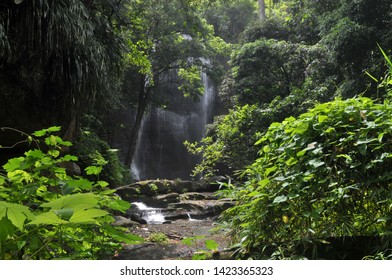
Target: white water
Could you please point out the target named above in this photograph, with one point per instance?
(190, 218)
(160, 152)
(150, 214)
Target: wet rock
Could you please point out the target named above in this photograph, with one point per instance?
(168, 198)
(195, 196)
(137, 218)
(123, 222)
(200, 208)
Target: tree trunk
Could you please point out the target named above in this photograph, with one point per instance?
(262, 14)
(141, 108)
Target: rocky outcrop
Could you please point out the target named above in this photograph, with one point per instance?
(174, 199)
(153, 188)
(198, 208)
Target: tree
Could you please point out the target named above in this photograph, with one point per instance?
(262, 14)
(57, 57)
(167, 36)
(231, 17)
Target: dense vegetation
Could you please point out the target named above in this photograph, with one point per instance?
(47, 214)
(306, 87)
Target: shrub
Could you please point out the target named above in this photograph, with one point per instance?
(47, 214)
(91, 150)
(326, 174)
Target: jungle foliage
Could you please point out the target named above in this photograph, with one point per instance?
(303, 53)
(45, 213)
(323, 175)
(307, 85)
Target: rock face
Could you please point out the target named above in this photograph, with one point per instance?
(153, 188)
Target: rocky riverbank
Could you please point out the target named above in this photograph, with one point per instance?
(190, 210)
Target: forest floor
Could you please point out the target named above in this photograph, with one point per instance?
(173, 248)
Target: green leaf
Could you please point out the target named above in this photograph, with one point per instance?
(266, 148)
(302, 153)
(74, 201)
(119, 205)
(6, 229)
(35, 154)
(291, 161)
(122, 237)
(52, 140)
(2, 180)
(189, 241)
(87, 216)
(17, 217)
(301, 128)
(373, 78)
(211, 245)
(93, 170)
(199, 256)
(40, 133)
(270, 169)
(322, 118)
(263, 182)
(362, 149)
(64, 214)
(54, 153)
(102, 184)
(385, 56)
(347, 157)
(316, 163)
(280, 199)
(16, 213)
(81, 184)
(383, 219)
(13, 164)
(47, 218)
(3, 212)
(69, 158)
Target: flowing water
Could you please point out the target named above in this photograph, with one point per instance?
(160, 152)
(149, 214)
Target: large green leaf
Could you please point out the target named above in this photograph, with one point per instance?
(74, 201)
(64, 214)
(87, 216)
(48, 218)
(122, 237)
(6, 229)
(13, 164)
(16, 213)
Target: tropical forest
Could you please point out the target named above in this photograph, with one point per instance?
(196, 129)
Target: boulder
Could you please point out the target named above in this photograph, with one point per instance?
(201, 208)
(123, 222)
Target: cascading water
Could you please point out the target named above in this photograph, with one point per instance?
(149, 214)
(160, 152)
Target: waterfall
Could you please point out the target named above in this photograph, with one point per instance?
(149, 214)
(160, 152)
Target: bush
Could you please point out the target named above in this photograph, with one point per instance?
(323, 175)
(91, 150)
(47, 214)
